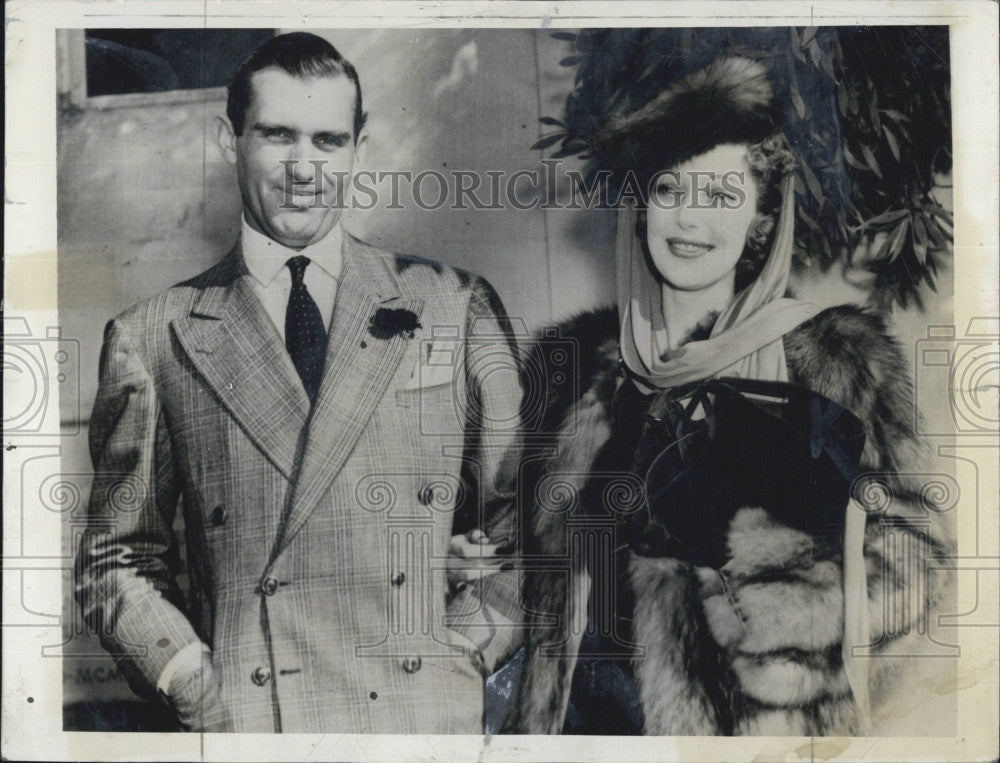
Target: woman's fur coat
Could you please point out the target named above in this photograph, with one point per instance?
(764, 656)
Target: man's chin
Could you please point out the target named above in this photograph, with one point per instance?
(296, 233)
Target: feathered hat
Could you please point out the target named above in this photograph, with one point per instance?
(729, 101)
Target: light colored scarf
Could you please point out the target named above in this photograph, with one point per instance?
(745, 342)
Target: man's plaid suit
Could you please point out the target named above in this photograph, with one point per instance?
(316, 537)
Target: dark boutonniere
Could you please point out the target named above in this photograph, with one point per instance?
(387, 323)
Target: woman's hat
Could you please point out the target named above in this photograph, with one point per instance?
(729, 101)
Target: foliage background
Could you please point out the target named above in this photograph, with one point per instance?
(867, 109)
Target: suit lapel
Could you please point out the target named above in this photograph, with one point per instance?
(237, 351)
(357, 370)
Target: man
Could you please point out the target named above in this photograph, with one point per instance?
(329, 416)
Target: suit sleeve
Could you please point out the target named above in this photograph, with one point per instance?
(128, 557)
(489, 612)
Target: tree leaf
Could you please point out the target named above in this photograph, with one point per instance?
(852, 100)
(551, 121)
(570, 61)
(939, 211)
(883, 249)
(938, 235)
(826, 63)
(808, 220)
(853, 161)
(919, 229)
(825, 245)
(919, 236)
(796, 46)
(815, 54)
(896, 116)
(842, 101)
(891, 140)
(873, 110)
(800, 106)
(885, 218)
(546, 141)
(897, 239)
(568, 36)
(808, 34)
(815, 188)
(870, 159)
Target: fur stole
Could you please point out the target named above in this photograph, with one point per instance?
(761, 654)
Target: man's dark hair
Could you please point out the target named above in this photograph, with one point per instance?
(300, 54)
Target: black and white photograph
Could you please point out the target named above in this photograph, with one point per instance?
(515, 377)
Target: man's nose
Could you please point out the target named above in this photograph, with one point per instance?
(301, 165)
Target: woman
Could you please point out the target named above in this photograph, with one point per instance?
(741, 628)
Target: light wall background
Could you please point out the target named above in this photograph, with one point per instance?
(145, 201)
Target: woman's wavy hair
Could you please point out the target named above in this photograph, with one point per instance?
(770, 160)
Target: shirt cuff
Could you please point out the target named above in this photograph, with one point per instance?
(187, 658)
(494, 634)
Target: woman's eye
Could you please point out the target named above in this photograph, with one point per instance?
(668, 192)
(721, 195)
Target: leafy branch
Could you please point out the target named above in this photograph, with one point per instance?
(867, 110)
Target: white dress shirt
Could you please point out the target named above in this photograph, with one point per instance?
(271, 281)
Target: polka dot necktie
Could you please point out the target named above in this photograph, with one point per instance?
(305, 336)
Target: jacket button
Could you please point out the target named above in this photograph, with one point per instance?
(411, 664)
(398, 578)
(426, 495)
(261, 675)
(218, 516)
(269, 586)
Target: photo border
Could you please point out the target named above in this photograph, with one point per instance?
(32, 686)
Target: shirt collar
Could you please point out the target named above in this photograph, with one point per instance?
(265, 257)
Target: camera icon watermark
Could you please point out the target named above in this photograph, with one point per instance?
(551, 372)
(961, 372)
(34, 366)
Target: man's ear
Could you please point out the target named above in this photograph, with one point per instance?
(226, 137)
(361, 148)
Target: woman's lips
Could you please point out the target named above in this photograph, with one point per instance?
(685, 248)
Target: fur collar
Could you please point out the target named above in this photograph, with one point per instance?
(843, 353)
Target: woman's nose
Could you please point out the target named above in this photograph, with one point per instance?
(686, 215)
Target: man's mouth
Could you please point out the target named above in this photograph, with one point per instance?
(300, 196)
(686, 248)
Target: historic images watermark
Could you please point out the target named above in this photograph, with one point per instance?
(522, 190)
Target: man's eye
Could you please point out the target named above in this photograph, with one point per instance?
(329, 141)
(276, 135)
(668, 191)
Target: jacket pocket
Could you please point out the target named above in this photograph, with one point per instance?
(433, 396)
